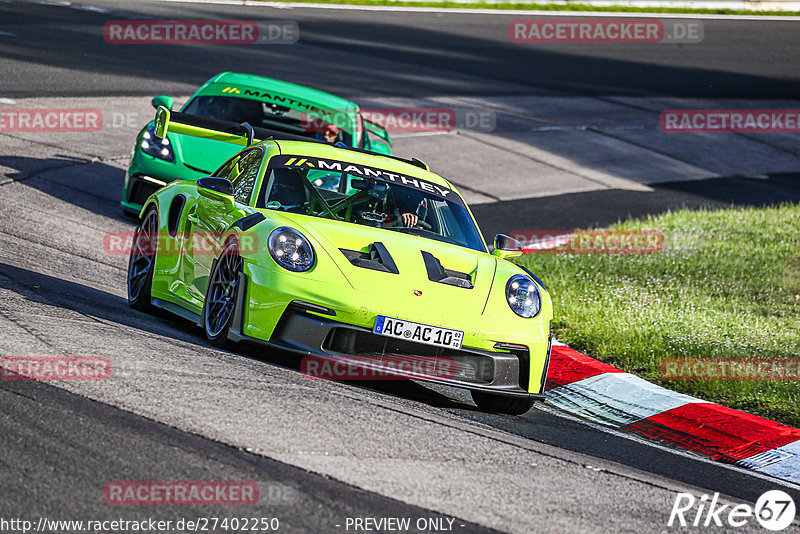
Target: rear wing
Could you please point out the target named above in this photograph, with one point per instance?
(239, 134)
(229, 132)
(378, 130)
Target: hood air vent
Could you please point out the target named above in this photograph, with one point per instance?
(437, 273)
(377, 258)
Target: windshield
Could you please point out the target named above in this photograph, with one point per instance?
(267, 115)
(368, 196)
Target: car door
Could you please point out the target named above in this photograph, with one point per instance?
(210, 220)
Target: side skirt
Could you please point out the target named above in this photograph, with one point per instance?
(177, 310)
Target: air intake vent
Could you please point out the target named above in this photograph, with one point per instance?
(437, 273)
(377, 258)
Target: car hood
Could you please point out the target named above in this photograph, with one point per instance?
(341, 241)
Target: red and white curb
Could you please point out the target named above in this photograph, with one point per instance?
(599, 392)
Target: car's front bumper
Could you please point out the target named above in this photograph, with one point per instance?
(312, 330)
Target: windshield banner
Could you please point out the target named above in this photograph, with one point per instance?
(364, 171)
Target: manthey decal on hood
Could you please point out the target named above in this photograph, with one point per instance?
(365, 171)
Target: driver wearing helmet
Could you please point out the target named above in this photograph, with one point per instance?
(384, 210)
(219, 108)
(330, 133)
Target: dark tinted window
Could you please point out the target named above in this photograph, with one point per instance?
(242, 171)
(322, 188)
(265, 115)
(244, 182)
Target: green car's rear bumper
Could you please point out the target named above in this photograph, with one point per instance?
(146, 174)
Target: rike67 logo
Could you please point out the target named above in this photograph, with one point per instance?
(774, 510)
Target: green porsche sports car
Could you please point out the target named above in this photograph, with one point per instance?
(341, 255)
(261, 102)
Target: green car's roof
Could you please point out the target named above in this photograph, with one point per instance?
(260, 82)
(322, 150)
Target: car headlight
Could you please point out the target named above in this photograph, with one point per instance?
(155, 146)
(523, 296)
(290, 249)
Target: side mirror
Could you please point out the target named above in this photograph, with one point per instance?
(163, 100)
(507, 247)
(217, 189)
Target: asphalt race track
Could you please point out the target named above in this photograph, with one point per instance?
(575, 142)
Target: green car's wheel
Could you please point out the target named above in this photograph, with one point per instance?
(142, 261)
(497, 403)
(220, 302)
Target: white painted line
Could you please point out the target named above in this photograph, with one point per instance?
(93, 9)
(7, 34)
(557, 128)
(7, 101)
(788, 467)
(764, 459)
(616, 399)
(496, 12)
(400, 135)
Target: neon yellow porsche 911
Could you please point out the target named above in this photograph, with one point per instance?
(345, 256)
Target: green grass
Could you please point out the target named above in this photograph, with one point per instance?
(726, 285)
(546, 7)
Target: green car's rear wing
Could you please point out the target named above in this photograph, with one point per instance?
(239, 134)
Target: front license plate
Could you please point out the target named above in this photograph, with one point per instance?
(418, 332)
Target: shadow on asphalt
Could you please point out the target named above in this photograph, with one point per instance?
(68, 295)
(91, 185)
(606, 207)
(407, 389)
(45, 289)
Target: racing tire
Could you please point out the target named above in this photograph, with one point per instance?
(142, 261)
(490, 402)
(219, 306)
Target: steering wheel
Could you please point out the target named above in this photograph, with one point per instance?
(398, 222)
